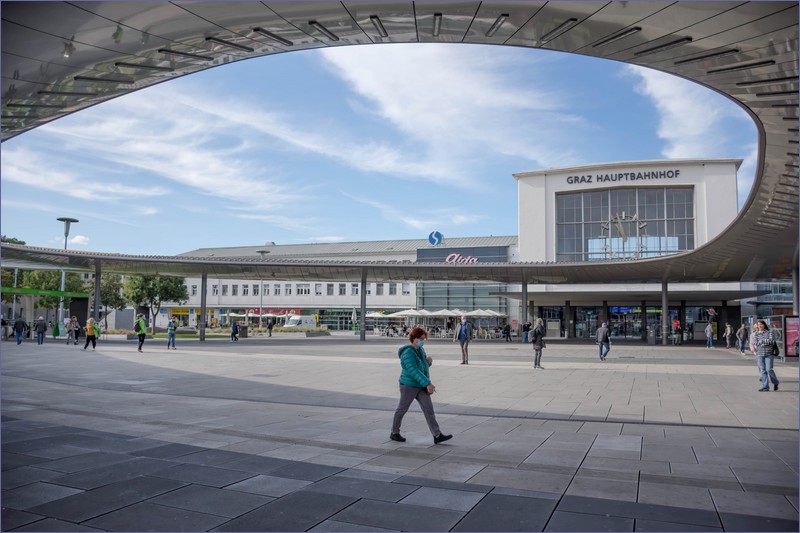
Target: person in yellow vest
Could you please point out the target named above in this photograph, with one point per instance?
(92, 331)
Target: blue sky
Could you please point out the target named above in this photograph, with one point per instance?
(347, 144)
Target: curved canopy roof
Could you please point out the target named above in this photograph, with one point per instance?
(59, 57)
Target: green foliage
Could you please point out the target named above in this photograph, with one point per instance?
(110, 293)
(11, 240)
(51, 280)
(152, 291)
(8, 281)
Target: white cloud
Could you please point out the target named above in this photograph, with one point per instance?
(79, 240)
(58, 210)
(324, 238)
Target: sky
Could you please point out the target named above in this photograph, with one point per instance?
(353, 143)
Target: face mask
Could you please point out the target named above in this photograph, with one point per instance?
(420, 343)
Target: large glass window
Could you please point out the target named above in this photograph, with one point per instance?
(624, 223)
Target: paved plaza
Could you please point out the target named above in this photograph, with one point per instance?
(292, 434)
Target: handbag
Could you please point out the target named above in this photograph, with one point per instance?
(775, 350)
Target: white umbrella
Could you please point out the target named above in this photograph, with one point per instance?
(376, 314)
(479, 313)
(443, 312)
(405, 313)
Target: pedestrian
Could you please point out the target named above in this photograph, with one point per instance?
(172, 328)
(92, 330)
(140, 328)
(742, 335)
(677, 334)
(41, 329)
(20, 327)
(728, 334)
(762, 343)
(537, 338)
(234, 331)
(270, 324)
(507, 332)
(463, 334)
(603, 337)
(415, 384)
(526, 329)
(73, 330)
(709, 335)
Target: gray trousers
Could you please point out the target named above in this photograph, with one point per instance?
(537, 357)
(464, 351)
(408, 395)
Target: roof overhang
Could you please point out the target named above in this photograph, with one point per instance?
(634, 297)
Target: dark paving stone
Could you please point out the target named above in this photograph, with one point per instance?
(443, 484)
(150, 517)
(92, 503)
(498, 512)
(654, 525)
(211, 457)
(97, 477)
(741, 522)
(334, 526)
(306, 471)
(210, 500)
(39, 442)
(15, 460)
(12, 518)
(87, 461)
(399, 517)
(59, 451)
(704, 482)
(26, 475)
(204, 475)
(24, 498)
(51, 524)
(362, 488)
(167, 451)
(562, 521)
(258, 464)
(296, 512)
(646, 511)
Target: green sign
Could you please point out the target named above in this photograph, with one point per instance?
(42, 292)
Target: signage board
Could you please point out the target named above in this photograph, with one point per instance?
(463, 256)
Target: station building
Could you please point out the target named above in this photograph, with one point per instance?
(604, 212)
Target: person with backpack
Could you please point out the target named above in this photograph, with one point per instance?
(172, 328)
(234, 331)
(92, 331)
(140, 328)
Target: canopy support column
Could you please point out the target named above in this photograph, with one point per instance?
(202, 317)
(97, 302)
(524, 318)
(363, 319)
(664, 313)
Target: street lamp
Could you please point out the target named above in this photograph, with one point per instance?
(261, 291)
(67, 221)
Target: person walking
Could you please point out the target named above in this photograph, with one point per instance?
(537, 338)
(507, 332)
(234, 331)
(526, 329)
(728, 334)
(463, 334)
(20, 327)
(709, 335)
(415, 384)
(140, 328)
(677, 334)
(270, 324)
(172, 328)
(762, 344)
(603, 337)
(92, 330)
(73, 330)
(41, 328)
(742, 335)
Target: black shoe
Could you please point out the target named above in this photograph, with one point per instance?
(463, 363)
(763, 389)
(397, 437)
(441, 438)
(776, 386)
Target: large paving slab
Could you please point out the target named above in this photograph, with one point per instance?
(291, 434)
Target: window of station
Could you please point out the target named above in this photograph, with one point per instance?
(255, 289)
(624, 223)
(224, 290)
(406, 289)
(277, 289)
(194, 290)
(379, 289)
(215, 290)
(393, 289)
(318, 289)
(234, 290)
(245, 290)
(288, 289)
(303, 289)
(266, 289)
(354, 289)
(342, 289)
(330, 289)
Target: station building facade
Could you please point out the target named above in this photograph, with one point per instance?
(611, 211)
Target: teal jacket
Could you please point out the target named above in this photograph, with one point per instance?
(415, 367)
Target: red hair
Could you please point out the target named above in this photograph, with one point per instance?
(417, 333)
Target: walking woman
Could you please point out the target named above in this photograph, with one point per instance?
(73, 330)
(415, 384)
(92, 329)
(742, 335)
(761, 343)
(140, 327)
(537, 338)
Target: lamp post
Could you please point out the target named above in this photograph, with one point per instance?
(67, 221)
(261, 291)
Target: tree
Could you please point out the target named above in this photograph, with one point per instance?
(152, 291)
(50, 280)
(110, 294)
(8, 273)
(11, 240)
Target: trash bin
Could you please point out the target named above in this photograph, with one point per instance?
(243, 332)
(651, 336)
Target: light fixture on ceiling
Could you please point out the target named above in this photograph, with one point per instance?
(188, 55)
(144, 37)
(558, 30)
(376, 21)
(117, 35)
(127, 81)
(69, 48)
(323, 30)
(67, 93)
(703, 57)
(665, 46)
(270, 35)
(767, 81)
(742, 66)
(139, 66)
(229, 44)
(497, 23)
(617, 36)
(437, 24)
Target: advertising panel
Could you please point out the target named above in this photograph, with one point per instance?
(792, 331)
(463, 256)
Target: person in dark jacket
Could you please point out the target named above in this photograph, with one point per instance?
(537, 338)
(415, 384)
(603, 340)
(507, 332)
(463, 334)
(234, 331)
(41, 329)
(742, 335)
(20, 327)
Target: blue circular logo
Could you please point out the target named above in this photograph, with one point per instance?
(435, 238)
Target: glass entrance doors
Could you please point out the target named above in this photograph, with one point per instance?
(625, 322)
